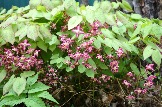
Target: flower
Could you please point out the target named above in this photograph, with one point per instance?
(100, 57)
(130, 97)
(149, 67)
(119, 52)
(130, 74)
(125, 82)
(138, 91)
(114, 66)
(78, 30)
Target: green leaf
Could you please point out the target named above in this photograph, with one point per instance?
(34, 102)
(8, 85)
(135, 69)
(26, 74)
(2, 74)
(97, 44)
(8, 34)
(91, 62)
(74, 21)
(54, 40)
(22, 32)
(121, 17)
(37, 87)
(68, 69)
(107, 33)
(137, 31)
(41, 44)
(110, 19)
(12, 100)
(45, 31)
(31, 80)
(32, 32)
(46, 95)
(136, 16)
(146, 29)
(156, 57)
(90, 73)
(134, 40)
(34, 3)
(81, 68)
(125, 5)
(19, 85)
(147, 52)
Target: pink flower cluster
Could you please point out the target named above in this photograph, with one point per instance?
(66, 43)
(95, 28)
(20, 57)
(149, 81)
(103, 77)
(114, 66)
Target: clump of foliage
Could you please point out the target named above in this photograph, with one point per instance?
(96, 53)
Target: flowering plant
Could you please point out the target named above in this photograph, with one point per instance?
(93, 52)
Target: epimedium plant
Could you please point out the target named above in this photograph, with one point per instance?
(98, 41)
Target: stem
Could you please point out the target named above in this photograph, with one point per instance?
(121, 87)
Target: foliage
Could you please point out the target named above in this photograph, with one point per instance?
(99, 44)
(18, 90)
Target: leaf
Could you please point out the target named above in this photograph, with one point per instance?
(68, 69)
(90, 73)
(32, 32)
(134, 40)
(54, 40)
(26, 74)
(34, 3)
(12, 100)
(8, 85)
(137, 31)
(156, 57)
(45, 31)
(107, 33)
(74, 21)
(136, 16)
(81, 68)
(41, 44)
(2, 75)
(31, 80)
(34, 102)
(146, 29)
(147, 52)
(46, 95)
(121, 17)
(125, 5)
(110, 19)
(91, 62)
(19, 85)
(37, 87)
(97, 44)
(135, 69)
(8, 34)
(22, 32)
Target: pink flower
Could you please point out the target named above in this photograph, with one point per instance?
(119, 52)
(144, 91)
(138, 91)
(110, 56)
(130, 97)
(149, 67)
(148, 84)
(100, 57)
(125, 82)
(78, 30)
(130, 74)
(105, 78)
(151, 78)
(114, 66)
(24, 44)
